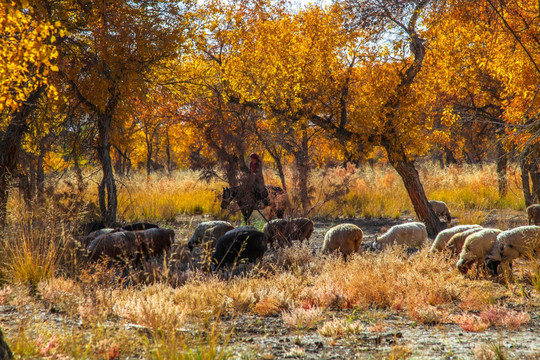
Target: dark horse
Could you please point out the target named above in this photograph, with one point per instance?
(247, 202)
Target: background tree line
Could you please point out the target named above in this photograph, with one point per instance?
(162, 85)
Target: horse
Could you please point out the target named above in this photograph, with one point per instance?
(247, 202)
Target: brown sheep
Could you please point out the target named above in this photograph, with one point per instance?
(121, 245)
(131, 245)
(284, 231)
(154, 241)
(533, 214)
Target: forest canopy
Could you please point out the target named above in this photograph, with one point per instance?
(161, 85)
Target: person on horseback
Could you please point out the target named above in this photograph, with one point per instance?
(257, 180)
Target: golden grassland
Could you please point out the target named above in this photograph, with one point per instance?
(368, 192)
(70, 309)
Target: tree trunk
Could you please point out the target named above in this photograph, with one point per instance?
(502, 162)
(10, 145)
(148, 154)
(40, 178)
(108, 202)
(168, 151)
(281, 174)
(415, 189)
(301, 158)
(535, 178)
(525, 185)
(530, 173)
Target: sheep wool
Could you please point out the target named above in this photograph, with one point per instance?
(444, 236)
(441, 209)
(413, 234)
(284, 231)
(208, 232)
(345, 238)
(475, 248)
(455, 244)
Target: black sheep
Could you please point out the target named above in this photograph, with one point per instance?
(239, 245)
(139, 226)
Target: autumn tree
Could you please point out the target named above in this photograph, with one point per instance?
(493, 74)
(384, 107)
(517, 65)
(106, 59)
(27, 54)
(282, 63)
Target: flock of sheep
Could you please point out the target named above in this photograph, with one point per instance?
(488, 248)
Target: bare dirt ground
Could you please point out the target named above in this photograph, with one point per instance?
(384, 334)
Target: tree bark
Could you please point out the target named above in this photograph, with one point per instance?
(530, 173)
(301, 158)
(168, 151)
(10, 145)
(502, 162)
(149, 151)
(411, 180)
(525, 185)
(281, 174)
(108, 202)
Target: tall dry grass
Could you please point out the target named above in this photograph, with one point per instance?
(370, 192)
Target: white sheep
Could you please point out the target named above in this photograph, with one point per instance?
(523, 241)
(444, 236)
(455, 244)
(412, 234)
(441, 209)
(345, 238)
(475, 249)
(533, 213)
(207, 232)
(284, 231)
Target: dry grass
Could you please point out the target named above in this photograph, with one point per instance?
(171, 309)
(470, 191)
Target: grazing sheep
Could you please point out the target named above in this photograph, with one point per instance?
(284, 231)
(121, 245)
(139, 226)
(523, 241)
(84, 241)
(533, 213)
(237, 245)
(154, 241)
(475, 249)
(207, 232)
(455, 244)
(440, 209)
(412, 234)
(345, 238)
(131, 245)
(444, 236)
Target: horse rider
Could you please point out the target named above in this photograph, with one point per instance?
(256, 179)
